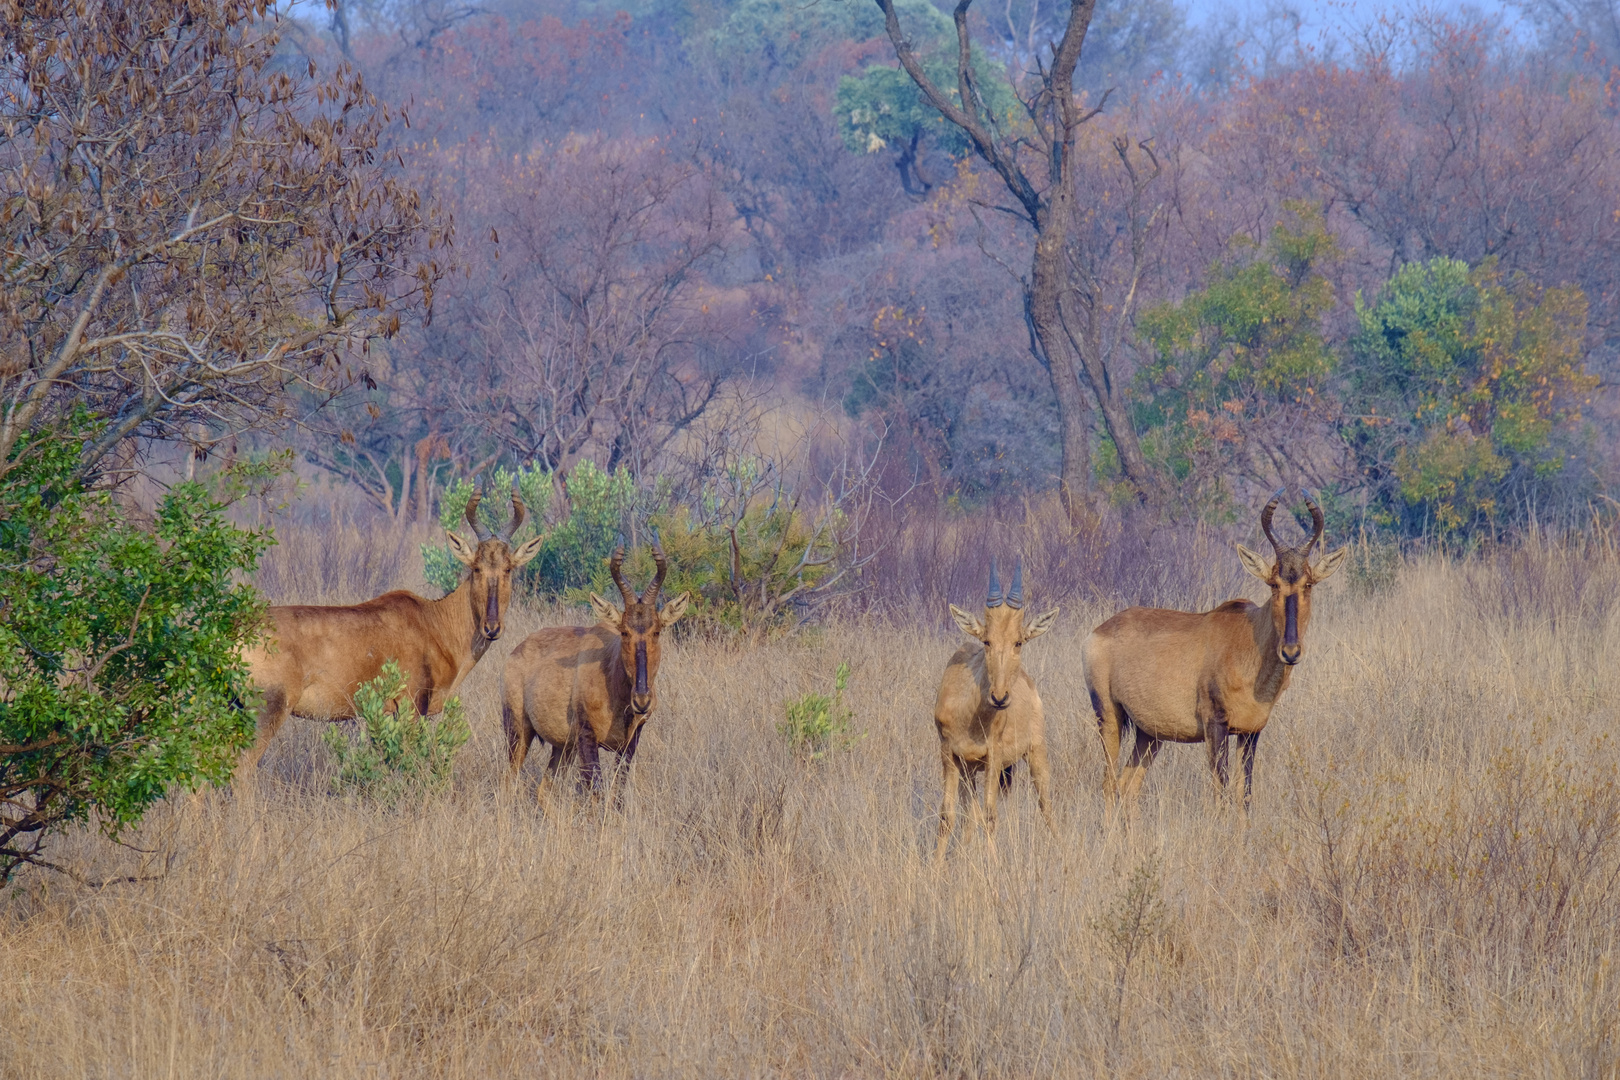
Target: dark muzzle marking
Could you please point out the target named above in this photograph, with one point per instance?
(641, 669)
(1291, 620)
(492, 613)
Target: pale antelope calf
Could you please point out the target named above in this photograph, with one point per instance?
(988, 712)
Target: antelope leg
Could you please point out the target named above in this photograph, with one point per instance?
(1040, 772)
(518, 737)
(273, 712)
(621, 778)
(952, 776)
(590, 772)
(1215, 738)
(1248, 743)
(992, 789)
(1108, 727)
(1135, 771)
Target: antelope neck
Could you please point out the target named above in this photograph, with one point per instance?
(1271, 675)
(456, 624)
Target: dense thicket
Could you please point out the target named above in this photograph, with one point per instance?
(1389, 276)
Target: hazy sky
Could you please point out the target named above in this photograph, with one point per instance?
(1334, 16)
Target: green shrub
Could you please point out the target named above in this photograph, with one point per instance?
(1466, 397)
(397, 752)
(577, 548)
(121, 672)
(818, 724)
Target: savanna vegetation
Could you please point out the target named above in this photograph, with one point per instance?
(1427, 882)
(833, 303)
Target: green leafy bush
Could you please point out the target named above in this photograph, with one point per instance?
(121, 675)
(397, 753)
(819, 724)
(1238, 365)
(1466, 397)
(753, 557)
(576, 549)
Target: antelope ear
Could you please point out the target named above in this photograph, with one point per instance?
(606, 613)
(1040, 624)
(464, 552)
(1327, 564)
(1255, 564)
(971, 626)
(674, 610)
(528, 551)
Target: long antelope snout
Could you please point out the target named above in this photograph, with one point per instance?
(641, 698)
(492, 616)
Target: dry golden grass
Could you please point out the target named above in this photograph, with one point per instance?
(1428, 886)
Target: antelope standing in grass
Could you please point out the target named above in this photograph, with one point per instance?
(313, 659)
(1176, 676)
(988, 712)
(582, 688)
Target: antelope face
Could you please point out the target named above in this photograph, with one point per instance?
(639, 624)
(490, 566)
(1003, 633)
(1290, 577)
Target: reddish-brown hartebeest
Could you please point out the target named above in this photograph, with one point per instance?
(1176, 676)
(988, 712)
(581, 688)
(314, 658)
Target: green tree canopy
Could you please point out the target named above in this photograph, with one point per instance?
(1237, 364)
(1467, 391)
(121, 674)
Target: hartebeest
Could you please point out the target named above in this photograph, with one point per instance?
(1177, 676)
(988, 712)
(581, 688)
(313, 659)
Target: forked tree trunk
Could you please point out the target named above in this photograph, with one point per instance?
(1056, 118)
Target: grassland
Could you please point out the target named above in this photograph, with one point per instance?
(1428, 885)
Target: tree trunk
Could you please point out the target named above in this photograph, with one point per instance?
(1116, 414)
(1046, 282)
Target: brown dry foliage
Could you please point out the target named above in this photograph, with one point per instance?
(1428, 884)
(189, 225)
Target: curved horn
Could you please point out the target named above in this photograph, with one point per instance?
(651, 595)
(993, 597)
(518, 511)
(615, 567)
(1317, 519)
(480, 530)
(1015, 594)
(1265, 518)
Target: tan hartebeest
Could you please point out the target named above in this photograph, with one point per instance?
(988, 712)
(1176, 676)
(580, 688)
(313, 659)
